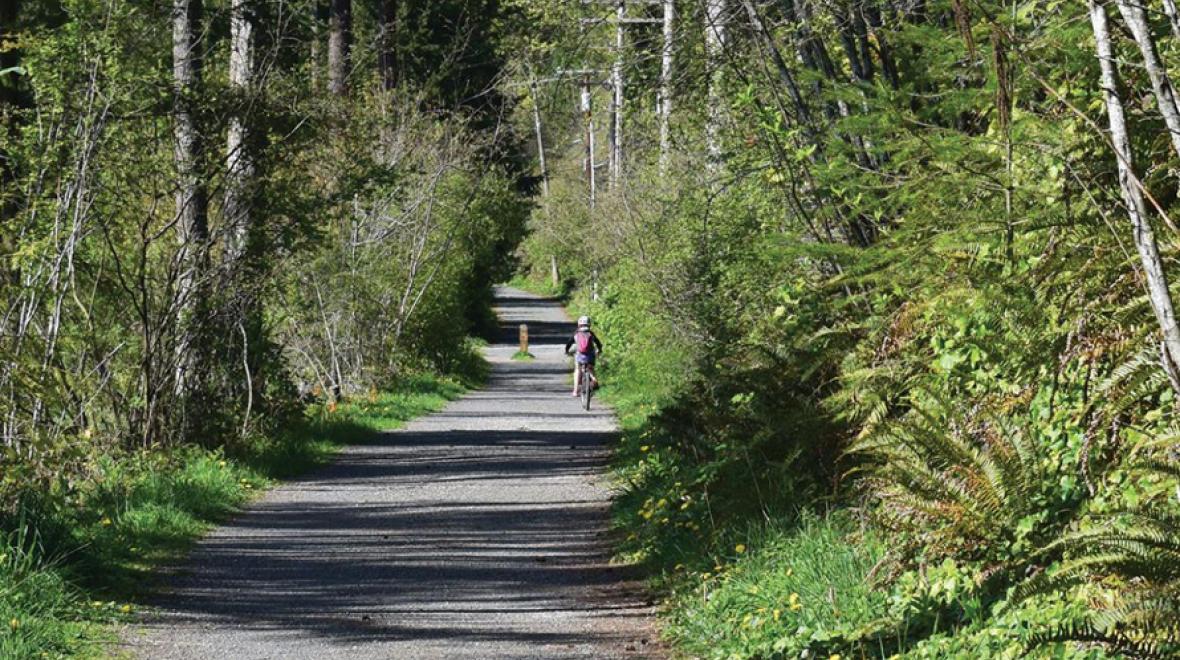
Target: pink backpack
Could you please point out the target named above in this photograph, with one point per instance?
(583, 340)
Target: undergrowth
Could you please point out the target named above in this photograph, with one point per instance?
(70, 567)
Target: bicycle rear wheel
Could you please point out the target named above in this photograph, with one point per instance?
(587, 388)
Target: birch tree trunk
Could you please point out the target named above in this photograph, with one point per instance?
(191, 196)
(588, 124)
(666, 62)
(1161, 84)
(339, 46)
(1145, 244)
(715, 39)
(616, 107)
(238, 160)
(1173, 17)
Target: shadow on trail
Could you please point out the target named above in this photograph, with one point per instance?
(478, 531)
(363, 572)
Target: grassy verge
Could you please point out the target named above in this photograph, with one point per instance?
(742, 575)
(541, 287)
(748, 560)
(69, 571)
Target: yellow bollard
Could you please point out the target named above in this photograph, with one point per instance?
(524, 338)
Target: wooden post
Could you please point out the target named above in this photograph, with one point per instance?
(554, 273)
(524, 338)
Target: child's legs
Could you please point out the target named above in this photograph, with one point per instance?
(577, 375)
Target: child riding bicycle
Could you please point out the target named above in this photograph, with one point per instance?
(588, 348)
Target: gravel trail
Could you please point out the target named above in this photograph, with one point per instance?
(475, 532)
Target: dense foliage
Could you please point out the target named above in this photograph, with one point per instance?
(887, 266)
(223, 222)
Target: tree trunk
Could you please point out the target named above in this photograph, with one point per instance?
(617, 97)
(388, 55)
(1145, 244)
(872, 14)
(715, 38)
(1161, 84)
(588, 122)
(339, 46)
(191, 196)
(665, 105)
(1173, 17)
(239, 159)
(784, 73)
(540, 135)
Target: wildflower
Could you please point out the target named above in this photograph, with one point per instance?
(221, 464)
(777, 613)
(793, 603)
(126, 609)
(14, 624)
(644, 448)
(834, 656)
(739, 548)
(106, 522)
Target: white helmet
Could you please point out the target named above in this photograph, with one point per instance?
(583, 322)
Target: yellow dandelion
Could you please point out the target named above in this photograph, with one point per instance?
(834, 656)
(777, 613)
(793, 603)
(739, 548)
(125, 609)
(14, 624)
(644, 448)
(106, 522)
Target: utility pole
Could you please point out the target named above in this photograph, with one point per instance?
(617, 81)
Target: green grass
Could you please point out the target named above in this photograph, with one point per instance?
(781, 592)
(523, 356)
(91, 558)
(544, 287)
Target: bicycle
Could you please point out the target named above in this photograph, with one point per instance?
(587, 385)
